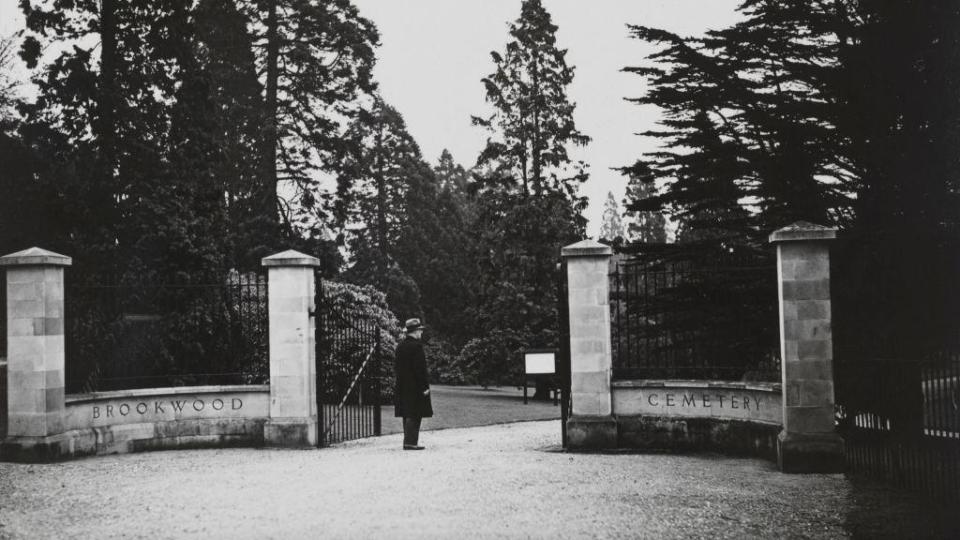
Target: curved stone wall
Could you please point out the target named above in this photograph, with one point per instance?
(734, 417)
(162, 418)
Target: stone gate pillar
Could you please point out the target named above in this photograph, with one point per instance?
(293, 372)
(592, 424)
(809, 441)
(35, 361)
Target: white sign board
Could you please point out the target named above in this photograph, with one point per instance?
(539, 363)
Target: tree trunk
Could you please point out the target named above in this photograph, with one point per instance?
(105, 127)
(536, 150)
(268, 182)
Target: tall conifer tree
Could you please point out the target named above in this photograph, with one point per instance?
(526, 192)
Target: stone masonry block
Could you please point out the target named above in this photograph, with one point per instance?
(814, 268)
(589, 363)
(587, 382)
(815, 349)
(809, 419)
(809, 393)
(289, 282)
(802, 251)
(588, 329)
(25, 350)
(290, 304)
(587, 346)
(790, 348)
(590, 403)
(591, 432)
(818, 289)
(52, 326)
(816, 393)
(791, 393)
(584, 297)
(26, 400)
(588, 313)
(294, 334)
(21, 327)
(55, 344)
(24, 380)
(809, 369)
(808, 310)
(26, 424)
(52, 275)
(54, 399)
(789, 310)
(25, 309)
(53, 378)
(810, 453)
(53, 308)
(801, 330)
(587, 278)
(287, 362)
(289, 386)
(22, 275)
(30, 290)
(787, 270)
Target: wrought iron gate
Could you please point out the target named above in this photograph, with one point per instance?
(348, 362)
(897, 379)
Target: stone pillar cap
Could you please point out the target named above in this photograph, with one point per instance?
(290, 257)
(35, 257)
(586, 248)
(803, 231)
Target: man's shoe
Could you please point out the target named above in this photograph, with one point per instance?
(412, 447)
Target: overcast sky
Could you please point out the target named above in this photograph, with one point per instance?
(434, 53)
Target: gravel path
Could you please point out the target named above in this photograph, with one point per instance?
(486, 482)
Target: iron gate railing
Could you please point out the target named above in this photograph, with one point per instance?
(181, 331)
(896, 310)
(348, 363)
(676, 317)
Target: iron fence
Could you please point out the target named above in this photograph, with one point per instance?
(899, 419)
(183, 332)
(349, 359)
(694, 319)
(897, 359)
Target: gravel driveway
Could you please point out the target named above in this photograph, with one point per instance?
(484, 482)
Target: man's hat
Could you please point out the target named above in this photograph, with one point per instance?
(413, 324)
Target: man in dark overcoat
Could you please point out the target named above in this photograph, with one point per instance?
(413, 391)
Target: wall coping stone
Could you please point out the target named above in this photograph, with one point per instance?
(679, 383)
(35, 257)
(290, 257)
(803, 231)
(586, 248)
(167, 391)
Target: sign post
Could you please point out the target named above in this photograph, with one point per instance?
(538, 364)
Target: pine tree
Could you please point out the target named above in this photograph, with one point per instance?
(451, 174)
(226, 71)
(611, 227)
(371, 207)
(643, 226)
(8, 83)
(316, 59)
(831, 112)
(525, 194)
(105, 96)
(532, 123)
